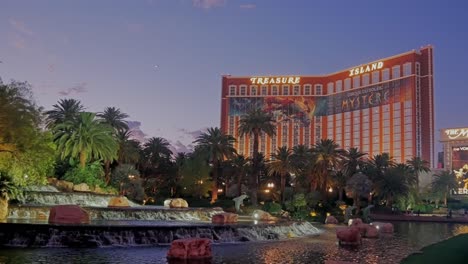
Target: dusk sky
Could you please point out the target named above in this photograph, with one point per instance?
(104, 53)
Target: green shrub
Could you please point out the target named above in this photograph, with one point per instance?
(272, 208)
(92, 175)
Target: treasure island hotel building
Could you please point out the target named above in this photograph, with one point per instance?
(382, 106)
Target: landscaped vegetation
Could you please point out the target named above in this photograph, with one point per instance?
(66, 142)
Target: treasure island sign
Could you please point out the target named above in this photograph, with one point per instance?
(366, 68)
(276, 80)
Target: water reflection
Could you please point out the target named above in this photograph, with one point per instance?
(408, 238)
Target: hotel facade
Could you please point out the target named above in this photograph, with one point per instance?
(381, 106)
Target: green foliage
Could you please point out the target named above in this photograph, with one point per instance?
(127, 180)
(8, 190)
(92, 174)
(299, 201)
(195, 177)
(121, 174)
(272, 208)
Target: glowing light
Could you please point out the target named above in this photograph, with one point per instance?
(270, 185)
(275, 80)
(328, 214)
(366, 68)
(255, 222)
(256, 216)
(330, 190)
(220, 190)
(267, 191)
(313, 214)
(131, 177)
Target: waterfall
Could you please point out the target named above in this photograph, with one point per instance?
(78, 198)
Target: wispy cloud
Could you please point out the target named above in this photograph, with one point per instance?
(178, 146)
(247, 6)
(77, 89)
(192, 133)
(207, 4)
(20, 27)
(136, 132)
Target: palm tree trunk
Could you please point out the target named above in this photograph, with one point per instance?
(82, 159)
(107, 171)
(214, 187)
(283, 186)
(254, 178)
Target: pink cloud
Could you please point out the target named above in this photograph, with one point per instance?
(248, 6)
(207, 4)
(20, 27)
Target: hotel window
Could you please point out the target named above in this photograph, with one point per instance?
(307, 136)
(242, 90)
(285, 90)
(347, 84)
(339, 86)
(273, 143)
(231, 125)
(365, 79)
(318, 89)
(418, 68)
(274, 90)
(396, 72)
(296, 135)
(253, 90)
(385, 75)
(407, 69)
(297, 90)
(356, 81)
(232, 90)
(307, 89)
(264, 90)
(330, 88)
(284, 141)
(375, 77)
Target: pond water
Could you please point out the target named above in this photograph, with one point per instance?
(408, 238)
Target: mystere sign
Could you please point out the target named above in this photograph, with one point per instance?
(366, 68)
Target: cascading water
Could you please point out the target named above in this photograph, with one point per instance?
(78, 198)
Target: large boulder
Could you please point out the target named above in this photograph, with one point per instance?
(68, 214)
(331, 220)
(224, 218)
(178, 203)
(120, 201)
(263, 216)
(191, 248)
(383, 227)
(371, 232)
(348, 236)
(82, 187)
(355, 221)
(64, 186)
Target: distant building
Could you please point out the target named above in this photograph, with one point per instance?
(382, 106)
(455, 144)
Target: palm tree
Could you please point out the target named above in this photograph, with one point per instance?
(327, 155)
(240, 165)
(353, 160)
(393, 183)
(418, 166)
(302, 158)
(281, 164)
(115, 118)
(253, 124)
(65, 110)
(85, 138)
(443, 182)
(358, 186)
(156, 151)
(219, 146)
(129, 149)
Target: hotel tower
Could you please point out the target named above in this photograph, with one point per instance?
(382, 106)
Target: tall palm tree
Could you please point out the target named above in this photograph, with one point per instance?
(253, 124)
(393, 183)
(281, 164)
(85, 138)
(65, 110)
(353, 161)
(303, 159)
(219, 146)
(115, 118)
(129, 149)
(443, 183)
(418, 166)
(328, 155)
(240, 165)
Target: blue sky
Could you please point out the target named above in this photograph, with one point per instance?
(104, 52)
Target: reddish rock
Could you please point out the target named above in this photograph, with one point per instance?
(354, 221)
(331, 220)
(362, 228)
(120, 201)
(371, 232)
(224, 218)
(192, 248)
(348, 236)
(384, 227)
(68, 214)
